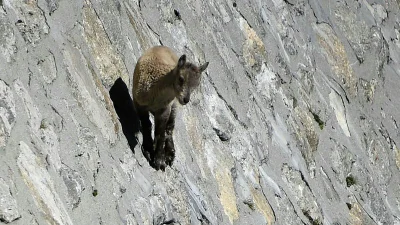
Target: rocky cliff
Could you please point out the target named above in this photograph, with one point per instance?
(295, 121)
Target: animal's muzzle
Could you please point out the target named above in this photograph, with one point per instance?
(185, 100)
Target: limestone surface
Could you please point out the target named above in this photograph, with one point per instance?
(296, 119)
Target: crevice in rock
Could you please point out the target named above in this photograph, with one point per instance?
(203, 220)
(55, 63)
(389, 140)
(342, 89)
(294, 209)
(223, 136)
(283, 65)
(362, 207)
(329, 183)
(30, 74)
(287, 2)
(313, 12)
(262, 191)
(237, 54)
(154, 32)
(167, 222)
(240, 13)
(317, 119)
(305, 181)
(384, 56)
(45, 18)
(312, 221)
(233, 111)
(140, 4)
(343, 104)
(177, 14)
(161, 220)
(395, 123)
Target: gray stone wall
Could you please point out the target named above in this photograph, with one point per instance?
(295, 120)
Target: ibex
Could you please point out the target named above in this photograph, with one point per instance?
(160, 78)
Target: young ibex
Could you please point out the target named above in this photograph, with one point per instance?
(159, 78)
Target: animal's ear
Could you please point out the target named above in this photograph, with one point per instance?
(203, 67)
(182, 61)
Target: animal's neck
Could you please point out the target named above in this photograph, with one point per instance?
(167, 81)
(163, 92)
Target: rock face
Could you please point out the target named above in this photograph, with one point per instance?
(295, 121)
(8, 205)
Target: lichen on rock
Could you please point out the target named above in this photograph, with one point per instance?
(336, 56)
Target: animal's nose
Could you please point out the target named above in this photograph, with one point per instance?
(186, 100)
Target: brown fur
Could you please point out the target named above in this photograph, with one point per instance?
(151, 86)
(160, 77)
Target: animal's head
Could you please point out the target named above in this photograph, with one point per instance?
(187, 79)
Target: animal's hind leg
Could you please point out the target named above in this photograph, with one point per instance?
(145, 128)
(161, 117)
(169, 141)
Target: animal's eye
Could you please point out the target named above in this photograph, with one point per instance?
(181, 80)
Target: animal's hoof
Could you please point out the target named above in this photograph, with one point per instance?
(170, 159)
(159, 161)
(160, 165)
(169, 152)
(147, 150)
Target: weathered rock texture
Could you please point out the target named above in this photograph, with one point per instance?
(295, 122)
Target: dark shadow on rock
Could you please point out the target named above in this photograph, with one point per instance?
(125, 110)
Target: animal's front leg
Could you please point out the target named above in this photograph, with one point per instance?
(161, 118)
(145, 128)
(169, 141)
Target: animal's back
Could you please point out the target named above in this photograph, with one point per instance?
(150, 68)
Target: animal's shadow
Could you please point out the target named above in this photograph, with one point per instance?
(125, 110)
